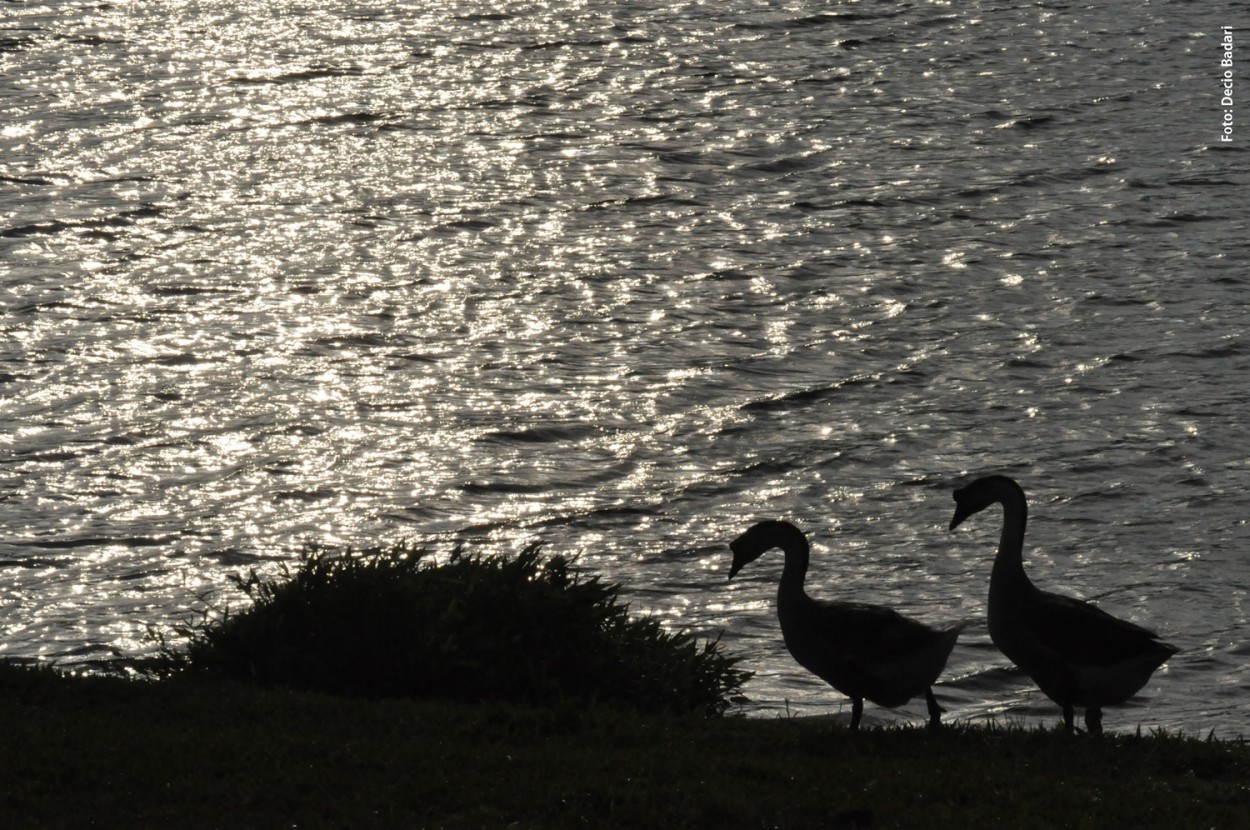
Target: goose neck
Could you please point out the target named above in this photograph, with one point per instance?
(1010, 558)
(798, 555)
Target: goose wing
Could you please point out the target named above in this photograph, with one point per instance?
(872, 633)
(1085, 634)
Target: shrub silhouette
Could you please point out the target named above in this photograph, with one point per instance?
(388, 623)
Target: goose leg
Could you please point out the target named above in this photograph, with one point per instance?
(1093, 719)
(1067, 718)
(857, 711)
(935, 711)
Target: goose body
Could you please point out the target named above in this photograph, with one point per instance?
(1078, 654)
(866, 652)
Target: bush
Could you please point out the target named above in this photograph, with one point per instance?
(388, 623)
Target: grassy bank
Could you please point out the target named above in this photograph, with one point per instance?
(80, 752)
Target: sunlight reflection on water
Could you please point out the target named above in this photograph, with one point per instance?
(624, 278)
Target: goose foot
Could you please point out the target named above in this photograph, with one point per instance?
(857, 712)
(1068, 717)
(935, 711)
(1093, 720)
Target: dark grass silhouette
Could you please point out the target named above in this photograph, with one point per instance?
(389, 622)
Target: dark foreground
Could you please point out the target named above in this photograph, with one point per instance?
(79, 752)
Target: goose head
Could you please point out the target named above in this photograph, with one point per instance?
(980, 494)
(761, 538)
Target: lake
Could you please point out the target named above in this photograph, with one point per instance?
(626, 277)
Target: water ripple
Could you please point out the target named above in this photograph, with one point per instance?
(625, 277)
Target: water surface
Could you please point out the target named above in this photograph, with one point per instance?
(626, 277)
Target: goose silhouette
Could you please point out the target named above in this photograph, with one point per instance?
(866, 652)
(1077, 654)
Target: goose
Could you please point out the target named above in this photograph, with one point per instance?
(1077, 654)
(866, 652)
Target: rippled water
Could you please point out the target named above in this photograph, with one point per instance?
(626, 277)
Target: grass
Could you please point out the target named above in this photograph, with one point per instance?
(390, 623)
(197, 753)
